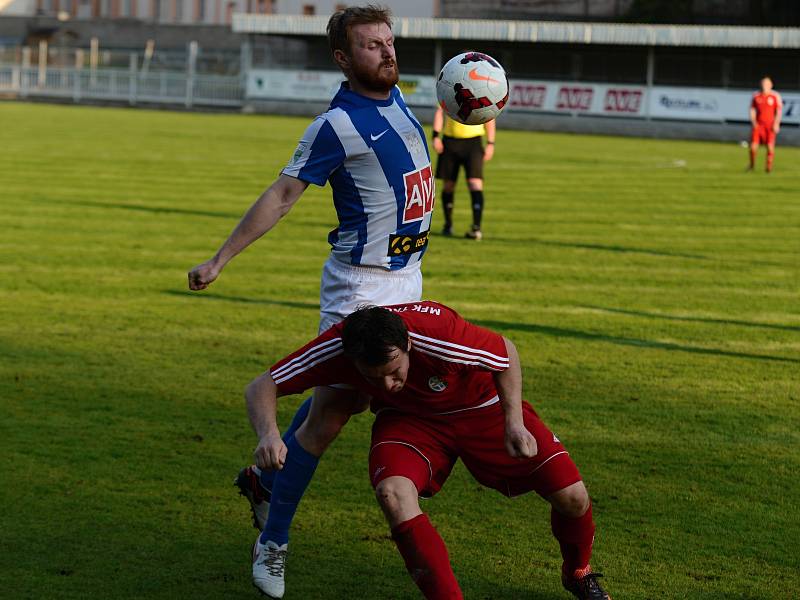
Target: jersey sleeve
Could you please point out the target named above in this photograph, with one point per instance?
(457, 341)
(319, 153)
(320, 362)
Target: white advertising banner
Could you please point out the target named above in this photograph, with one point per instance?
(321, 86)
(709, 104)
(577, 98)
(596, 99)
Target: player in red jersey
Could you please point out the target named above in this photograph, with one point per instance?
(442, 389)
(765, 115)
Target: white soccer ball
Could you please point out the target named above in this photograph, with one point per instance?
(472, 88)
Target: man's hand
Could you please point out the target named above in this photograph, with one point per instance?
(438, 145)
(203, 275)
(271, 452)
(488, 152)
(776, 127)
(520, 442)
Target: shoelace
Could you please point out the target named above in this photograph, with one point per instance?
(274, 561)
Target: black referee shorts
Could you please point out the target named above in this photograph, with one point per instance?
(460, 151)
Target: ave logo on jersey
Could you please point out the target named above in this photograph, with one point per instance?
(437, 384)
(419, 194)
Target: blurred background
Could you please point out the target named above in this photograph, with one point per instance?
(640, 67)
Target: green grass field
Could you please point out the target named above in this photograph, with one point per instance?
(655, 306)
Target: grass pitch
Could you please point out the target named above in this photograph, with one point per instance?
(651, 287)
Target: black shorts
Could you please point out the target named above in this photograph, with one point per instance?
(457, 152)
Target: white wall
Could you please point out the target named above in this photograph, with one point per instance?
(400, 8)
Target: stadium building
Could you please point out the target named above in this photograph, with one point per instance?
(648, 80)
(686, 81)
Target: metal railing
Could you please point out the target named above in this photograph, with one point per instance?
(122, 85)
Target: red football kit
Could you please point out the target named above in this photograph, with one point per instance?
(767, 107)
(448, 408)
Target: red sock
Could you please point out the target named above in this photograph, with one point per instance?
(752, 158)
(575, 536)
(426, 558)
(770, 158)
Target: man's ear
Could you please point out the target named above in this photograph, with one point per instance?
(408, 349)
(341, 58)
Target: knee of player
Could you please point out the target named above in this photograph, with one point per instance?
(572, 501)
(319, 433)
(475, 184)
(395, 492)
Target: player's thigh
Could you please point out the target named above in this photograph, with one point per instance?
(755, 137)
(344, 288)
(481, 443)
(331, 408)
(447, 164)
(473, 158)
(771, 138)
(408, 446)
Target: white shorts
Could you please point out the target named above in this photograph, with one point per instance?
(346, 287)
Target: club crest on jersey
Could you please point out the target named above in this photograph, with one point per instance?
(437, 384)
(419, 194)
(301, 149)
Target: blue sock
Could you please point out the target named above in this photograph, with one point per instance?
(268, 477)
(290, 485)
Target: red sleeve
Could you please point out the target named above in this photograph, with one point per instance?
(456, 340)
(320, 362)
(753, 101)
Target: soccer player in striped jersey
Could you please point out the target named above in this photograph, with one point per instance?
(372, 151)
(441, 389)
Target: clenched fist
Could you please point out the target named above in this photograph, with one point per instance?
(271, 452)
(520, 442)
(203, 275)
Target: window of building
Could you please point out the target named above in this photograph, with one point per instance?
(309, 9)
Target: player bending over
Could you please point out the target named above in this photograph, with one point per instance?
(441, 389)
(766, 110)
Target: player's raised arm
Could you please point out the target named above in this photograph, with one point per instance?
(519, 442)
(262, 400)
(262, 216)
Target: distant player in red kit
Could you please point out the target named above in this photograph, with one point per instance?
(441, 389)
(765, 115)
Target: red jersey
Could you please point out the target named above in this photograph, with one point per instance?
(767, 106)
(451, 363)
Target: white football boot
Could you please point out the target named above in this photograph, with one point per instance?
(269, 566)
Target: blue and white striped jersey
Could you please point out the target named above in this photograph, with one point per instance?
(374, 154)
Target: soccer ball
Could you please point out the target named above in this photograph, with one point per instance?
(472, 88)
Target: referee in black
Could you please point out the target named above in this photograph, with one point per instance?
(458, 144)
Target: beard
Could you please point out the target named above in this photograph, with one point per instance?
(380, 79)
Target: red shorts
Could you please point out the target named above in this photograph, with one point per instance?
(763, 134)
(424, 450)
